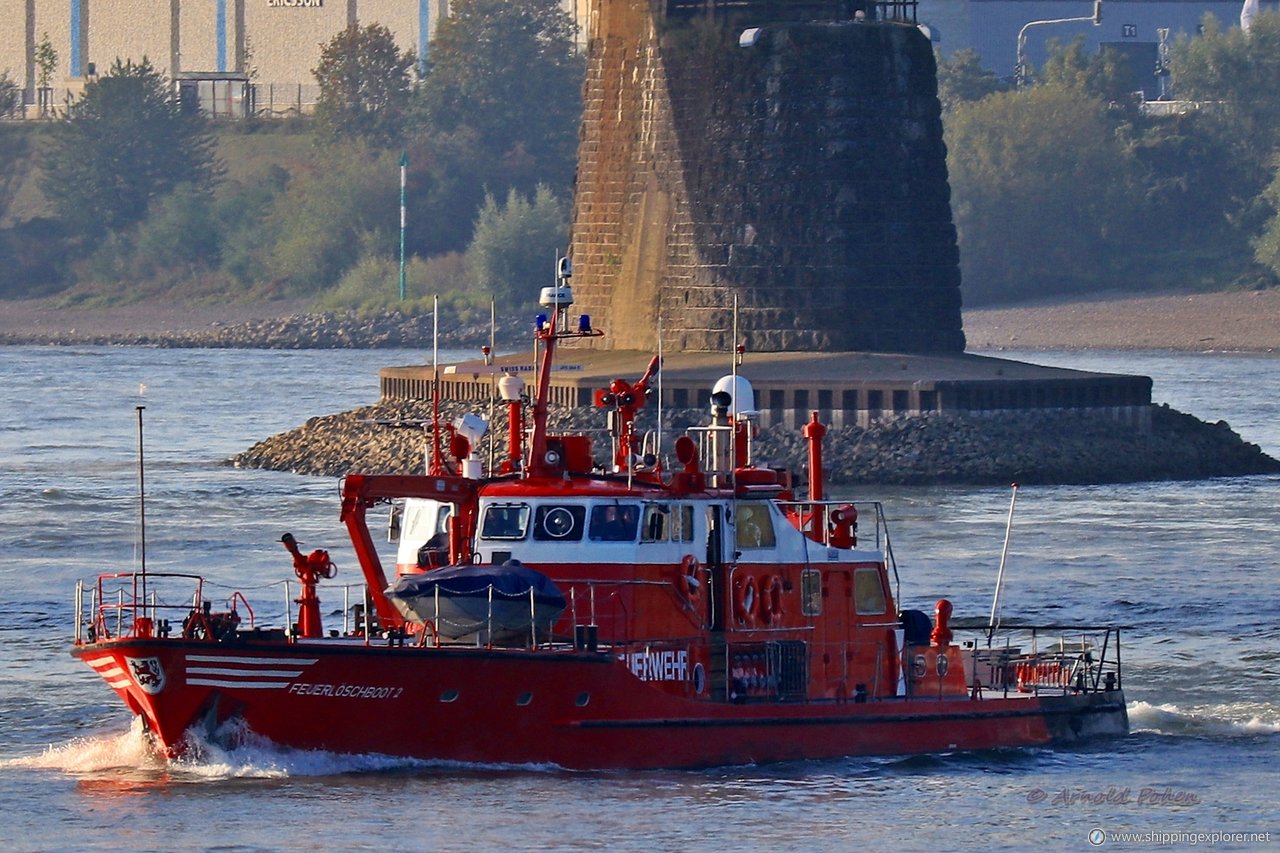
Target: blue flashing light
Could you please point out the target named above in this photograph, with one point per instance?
(540, 322)
(584, 323)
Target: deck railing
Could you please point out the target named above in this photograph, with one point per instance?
(133, 605)
(1037, 659)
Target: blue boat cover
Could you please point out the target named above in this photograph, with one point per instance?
(510, 580)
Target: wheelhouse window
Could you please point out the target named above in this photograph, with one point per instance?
(559, 523)
(868, 592)
(656, 523)
(754, 528)
(811, 592)
(505, 521)
(614, 522)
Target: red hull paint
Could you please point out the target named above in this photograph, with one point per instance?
(571, 709)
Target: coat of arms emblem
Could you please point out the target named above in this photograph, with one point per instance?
(148, 673)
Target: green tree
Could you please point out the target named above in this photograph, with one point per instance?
(364, 85)
(1233, 69)
(508, 70)
(10, 95)
(332, 217)
(47, 62)
(1234, 74)
(446, 186)
(962, 78)
(122, 145)
(1267, 244)
(1042, 194)
(1102, 75)
(515, 244)
(239, 214)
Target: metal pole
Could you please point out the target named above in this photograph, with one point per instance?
(1020, 72)
(1004, 554)
(404, 165)
(142, 508)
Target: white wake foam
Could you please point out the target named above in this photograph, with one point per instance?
(250, 756)
(131, 750)
(1232, 719)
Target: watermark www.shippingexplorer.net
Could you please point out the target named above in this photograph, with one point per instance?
(1164, 838)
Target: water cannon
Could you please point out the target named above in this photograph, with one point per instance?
(1097, 12)
(720, 402)
(467, 432)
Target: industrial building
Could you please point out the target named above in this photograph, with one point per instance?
(237, 55)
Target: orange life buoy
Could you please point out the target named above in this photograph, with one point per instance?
(687, 581)
(775, 597)
(770, 599)
(746, 600)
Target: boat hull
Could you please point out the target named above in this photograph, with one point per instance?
(573, 709)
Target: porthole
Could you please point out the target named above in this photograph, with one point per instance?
(699, 678)
(524, 698)
(583, 700)
(449, 696)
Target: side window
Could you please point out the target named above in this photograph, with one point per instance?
(868, 592)
(811, 592)
(754, 528)
(656, 522)
(505, 521)
(559, 523)
(614, 522)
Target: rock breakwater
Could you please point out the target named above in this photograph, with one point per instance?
(295, 331)
(1046, 447)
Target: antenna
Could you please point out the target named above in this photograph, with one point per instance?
(737, 405)
(1004, 554)
(657, 450)
(433, 468)
(142, 507)
(493, 377)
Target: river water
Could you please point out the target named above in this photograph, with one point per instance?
(1191, 567)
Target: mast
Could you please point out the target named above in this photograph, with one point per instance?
(142, 508)
(550, 328)
(437, 466)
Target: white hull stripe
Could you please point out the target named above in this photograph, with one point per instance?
(243, 673)
(110, 673)
(254, 661)
(244, 685)
(120, 682)
(99, 662)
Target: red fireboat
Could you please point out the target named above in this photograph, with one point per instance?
(633, 612)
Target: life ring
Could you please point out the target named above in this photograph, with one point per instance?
(771, 599)
(687, 581)
(746, 601)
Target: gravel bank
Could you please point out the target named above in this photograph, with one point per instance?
(1238, 321)
(273, 326)
(1034, 447)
